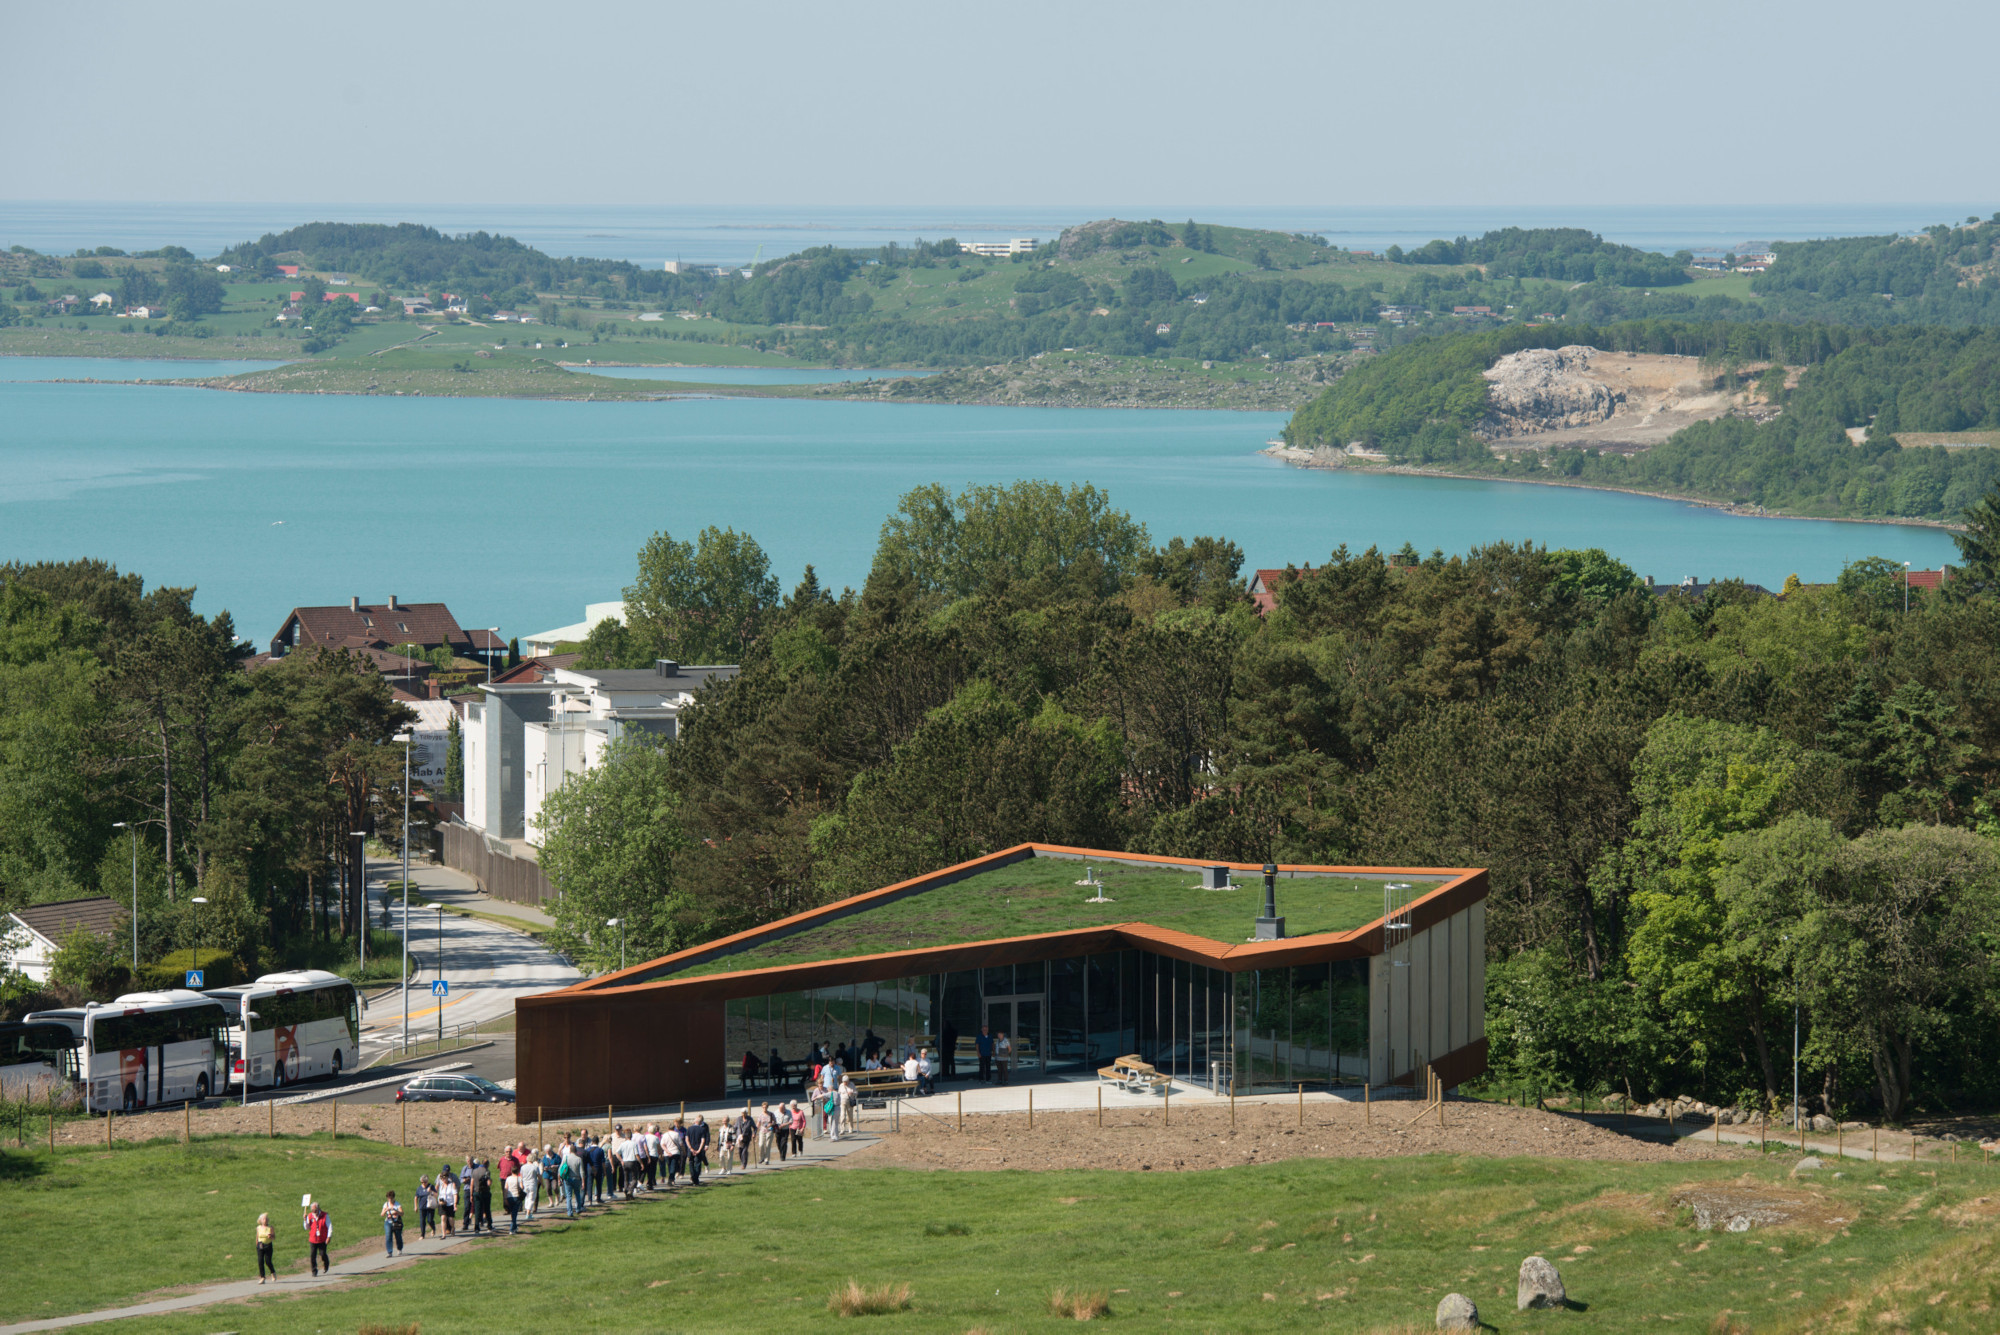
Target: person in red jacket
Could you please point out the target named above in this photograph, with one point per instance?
(319, 1232)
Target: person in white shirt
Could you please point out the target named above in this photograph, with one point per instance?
(531, 1183)
(910, 1068)
(628, 1164)
(924, 1072)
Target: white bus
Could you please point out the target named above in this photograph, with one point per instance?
(37, 1060)
(147, 1048)
(299, 1025)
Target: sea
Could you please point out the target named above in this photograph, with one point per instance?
(517, 514)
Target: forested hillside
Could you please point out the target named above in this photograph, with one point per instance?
(1423, 402)
(1947, 275)
(1693, 810)
(1567, 254)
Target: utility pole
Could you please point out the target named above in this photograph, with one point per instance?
(360, 872)
(409, 740)
(121, 825)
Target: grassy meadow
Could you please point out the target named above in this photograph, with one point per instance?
(1351, 1245)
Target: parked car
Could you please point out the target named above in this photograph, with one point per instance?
(452, 1088)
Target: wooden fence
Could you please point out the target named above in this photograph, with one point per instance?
(499, 873)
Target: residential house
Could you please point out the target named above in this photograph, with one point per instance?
(522, 737)
(1697, 589)
(416, 305)
(289, 270)
(145, 312)
(30, 937)
(1264, 585)
(104, 301)
(384, 625)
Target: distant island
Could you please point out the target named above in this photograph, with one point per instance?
(1837, 378)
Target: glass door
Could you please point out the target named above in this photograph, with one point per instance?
(1020, 1019)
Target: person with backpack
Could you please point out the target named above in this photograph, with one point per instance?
(392, 1226)
(319, 1232)
(426, 1199)
(482, 1197)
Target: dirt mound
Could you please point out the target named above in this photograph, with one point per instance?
(1143, 1140)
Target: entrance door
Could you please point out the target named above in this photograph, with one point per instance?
(1020, 1018)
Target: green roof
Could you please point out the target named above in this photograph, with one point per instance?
(1036, 895)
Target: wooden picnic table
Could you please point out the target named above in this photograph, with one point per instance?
(1130, 1073)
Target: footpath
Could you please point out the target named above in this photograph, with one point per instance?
(817, 1152)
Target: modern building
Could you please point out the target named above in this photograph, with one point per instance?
(998, 250)
(31, 936)
(522, 738)
(1354, 976)
(543, 643)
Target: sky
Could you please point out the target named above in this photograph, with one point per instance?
(1332, 103)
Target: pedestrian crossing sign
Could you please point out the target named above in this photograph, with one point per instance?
(440, 988)
(194, 979)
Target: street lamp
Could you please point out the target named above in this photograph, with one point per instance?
(197, 901)
(361, 886)
(440, 973)
(409, 741)
(121, 825)
(619, 923)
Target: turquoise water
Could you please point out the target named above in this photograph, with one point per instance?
(121, 368)
(745, 375)
(518, 513)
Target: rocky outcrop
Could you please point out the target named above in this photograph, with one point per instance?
(1541, 1285)
(1456, 1312)
(1545, 389)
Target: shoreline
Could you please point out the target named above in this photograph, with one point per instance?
(1294, 457)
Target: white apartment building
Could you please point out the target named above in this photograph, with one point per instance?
(523, 739)
(998, 250)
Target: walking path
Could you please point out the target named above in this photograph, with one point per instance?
(816, 1152)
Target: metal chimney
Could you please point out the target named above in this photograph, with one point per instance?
(1270, 927)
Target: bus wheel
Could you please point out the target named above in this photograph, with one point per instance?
(131, 1099)
(201, 1089)
(278, 1075)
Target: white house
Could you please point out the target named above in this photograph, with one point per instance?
(545, 642)
(30, 937)
(104, 299)
(522, 739)
(998, 250)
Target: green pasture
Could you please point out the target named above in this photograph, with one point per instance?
(1335, 1244)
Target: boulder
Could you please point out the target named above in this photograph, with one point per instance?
(1456, 1312)
(1808, 1164)
(1823, 1123)
(1541, 1285)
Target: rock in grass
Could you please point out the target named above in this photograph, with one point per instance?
(1808, 1164)
(1541, 1285)
(1456, 1312)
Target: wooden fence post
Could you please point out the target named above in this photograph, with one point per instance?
(1100, 1106)
(403, 1136)
(271, 1117)
(334, 1121)
(109, 1113)
(187, 1123)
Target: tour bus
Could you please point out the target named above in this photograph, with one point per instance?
(147, 1048)
(37, 1059)
(298, 1024)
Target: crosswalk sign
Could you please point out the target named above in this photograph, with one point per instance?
(438, 987)
(194, 979)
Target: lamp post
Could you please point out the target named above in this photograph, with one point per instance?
(360, 838)
(121, 825)
(409, 741)
(440, 973)
(197, 901)
(619, 923)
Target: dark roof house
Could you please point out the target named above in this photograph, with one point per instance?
(381, 625)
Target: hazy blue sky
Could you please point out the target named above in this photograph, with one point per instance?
(1547, 101)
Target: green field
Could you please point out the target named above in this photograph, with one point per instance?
(1041, 895)
(1336, 1244)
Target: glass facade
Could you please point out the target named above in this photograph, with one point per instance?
(1271, 1028)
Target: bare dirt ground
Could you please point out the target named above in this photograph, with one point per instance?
(1184, 1140)
(444, 1127)
(1581, 397)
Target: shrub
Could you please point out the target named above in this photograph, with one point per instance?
(1078, 1305)
(857, 1301)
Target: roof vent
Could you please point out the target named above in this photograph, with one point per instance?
(1215, 878)
(354, 602)
(666, 667)
(1270, 927)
